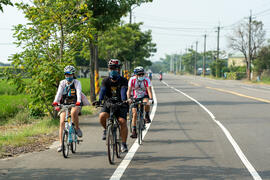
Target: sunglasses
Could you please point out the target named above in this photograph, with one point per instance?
(140, 75)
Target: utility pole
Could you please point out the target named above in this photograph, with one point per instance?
(249, 46)
(204, 51)
(195, 63)
(218, 31)
(180, 66)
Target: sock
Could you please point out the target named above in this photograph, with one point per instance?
(124, 144)
(147, 113)
(134, 127)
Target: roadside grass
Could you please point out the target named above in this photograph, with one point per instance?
(10, 105)
(15, 136)
(7, 89)
(88, 110)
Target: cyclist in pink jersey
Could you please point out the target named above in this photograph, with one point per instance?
(140, 87)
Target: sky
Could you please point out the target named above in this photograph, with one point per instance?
(175, 24)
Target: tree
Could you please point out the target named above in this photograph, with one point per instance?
(45, 41)
(239, 41)
(5, 2)
(262, 62)
(128, 44)
(105, 15)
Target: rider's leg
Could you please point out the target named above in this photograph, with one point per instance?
(62, 125)
(75, 116)
(103, 116)
(147, 109)
(123, 129)
(134, 118)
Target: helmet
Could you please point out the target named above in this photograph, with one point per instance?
(138, 70)
(114, 63)
(69, 70)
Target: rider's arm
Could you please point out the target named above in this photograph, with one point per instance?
(78, 87)
(124, 93)
(129, 89)
(102, 91)
(150, 92)
(59, 93)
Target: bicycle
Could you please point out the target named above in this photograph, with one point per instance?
(69, 138)
(113, 139)
(139, 104)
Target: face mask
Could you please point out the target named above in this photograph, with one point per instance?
(114, 75)
(69, 79)
(141, 78)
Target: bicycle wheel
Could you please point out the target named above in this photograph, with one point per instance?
(118, 142)
(110, 145)
(140, 128)
(73, 145)
(130, 118)
(65, 144)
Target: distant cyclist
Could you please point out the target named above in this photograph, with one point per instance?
(140, 86)
(160, 75)
(150, 75)
(69, 92)
(114, 86)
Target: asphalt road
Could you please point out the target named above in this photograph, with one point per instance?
(202, 129)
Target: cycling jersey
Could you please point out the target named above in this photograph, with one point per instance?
(139, 88)
(69, 93)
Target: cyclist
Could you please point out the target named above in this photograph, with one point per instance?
(69, 92)
(141, 88)
(160, 75)
(150, 75)
(114, 86)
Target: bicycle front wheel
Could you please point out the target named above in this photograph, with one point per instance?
(110, 145)
(65, 144)
(73, 145)
(118, 141)
(140, 128)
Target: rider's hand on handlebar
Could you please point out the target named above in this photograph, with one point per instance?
(57, 108)
(96, 103)
(151, 101)
(129, 101)
(55, 103)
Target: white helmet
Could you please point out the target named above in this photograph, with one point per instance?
(69, 70)
(139, 70)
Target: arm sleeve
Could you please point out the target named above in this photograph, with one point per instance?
(124, 89)
(123, 93)
(78, 87)
(102, 91)
(59, 92)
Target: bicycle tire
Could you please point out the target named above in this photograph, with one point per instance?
(130, 118)
(110, 145)
(73, 144)
(118, 141)
(140, 129)
(65, 144)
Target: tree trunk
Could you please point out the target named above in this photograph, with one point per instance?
(61, 41)
(96, 65)
(92, 71)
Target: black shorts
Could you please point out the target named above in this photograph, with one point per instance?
(121, 112)
(145, 97)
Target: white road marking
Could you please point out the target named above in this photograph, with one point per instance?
(237, 149)
(125, 162)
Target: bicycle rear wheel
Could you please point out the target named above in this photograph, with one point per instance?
(118, 142)
(110, 145)
(65, 144)
(130, 118)
(140, 128)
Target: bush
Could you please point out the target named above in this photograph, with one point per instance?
(235, 75)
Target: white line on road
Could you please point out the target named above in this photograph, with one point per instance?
(237, 149)
(125, 162)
